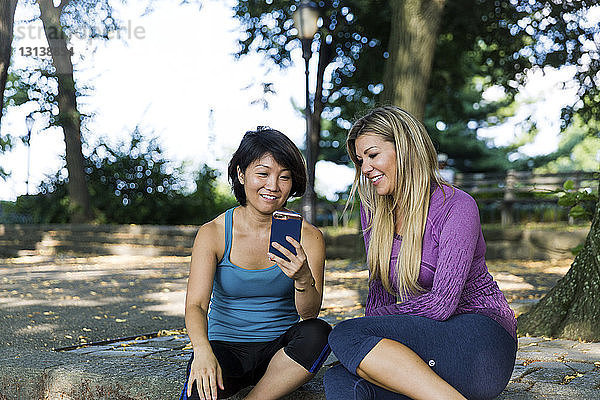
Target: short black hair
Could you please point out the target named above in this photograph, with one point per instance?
(254, 145)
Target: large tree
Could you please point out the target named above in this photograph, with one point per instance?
(571, 309)
(413, 37)
(60, 21)
(362, 45)
(89, 19)
(69, 117)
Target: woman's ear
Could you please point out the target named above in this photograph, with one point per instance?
(240, 175)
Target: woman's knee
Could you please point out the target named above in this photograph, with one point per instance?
(308, 345)
(314, 332)
(344, 331)
(486, 380)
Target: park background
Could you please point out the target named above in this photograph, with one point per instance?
(172, 86)
(127, 127)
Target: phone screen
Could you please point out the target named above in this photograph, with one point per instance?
(285, 223)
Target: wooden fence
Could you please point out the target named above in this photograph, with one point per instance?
(508, 192)
(520, 187)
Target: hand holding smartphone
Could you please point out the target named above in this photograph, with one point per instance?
(285, 223)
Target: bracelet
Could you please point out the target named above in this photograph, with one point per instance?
(312, 284)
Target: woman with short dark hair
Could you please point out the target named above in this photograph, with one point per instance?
(255, 145)
(251, 315)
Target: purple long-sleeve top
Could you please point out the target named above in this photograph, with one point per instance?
(453, 270)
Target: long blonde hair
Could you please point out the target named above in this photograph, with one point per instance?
(417, 169)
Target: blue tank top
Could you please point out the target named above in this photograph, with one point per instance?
(249, 305)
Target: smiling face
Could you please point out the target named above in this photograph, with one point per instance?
(377, 161)
(267, 184)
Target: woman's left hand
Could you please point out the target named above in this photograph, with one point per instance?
(297, 266)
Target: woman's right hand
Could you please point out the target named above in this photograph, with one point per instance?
(206, 372)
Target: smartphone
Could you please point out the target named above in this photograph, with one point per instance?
(285, 223)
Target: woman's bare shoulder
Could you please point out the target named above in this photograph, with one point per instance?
(212, 234)
(311, 233)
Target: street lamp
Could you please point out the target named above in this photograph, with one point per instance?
(306, 18)
(29, 123)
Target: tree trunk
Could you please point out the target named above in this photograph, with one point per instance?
(571, 310)
(7, 17)
(413, 37)
(310, 198)
(68, 117)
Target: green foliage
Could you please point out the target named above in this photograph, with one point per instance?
(84, 19)
(9, 214)
(34, 85)
(17, 87)
(131, 183)
(581, 204)
(206, 202)
(351, 32)
(580, 201)
(358, 33)
(5, 144)
(131, 177)
(480, 44)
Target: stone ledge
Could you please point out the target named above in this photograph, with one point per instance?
(155, 240)
(54, 376)
(132, 375)
(63, 376)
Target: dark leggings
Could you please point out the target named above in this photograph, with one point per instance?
(244, 363)
(471, 352)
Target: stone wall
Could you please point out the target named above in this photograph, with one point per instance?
(73, 239)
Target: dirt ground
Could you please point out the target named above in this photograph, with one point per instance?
(53, 302)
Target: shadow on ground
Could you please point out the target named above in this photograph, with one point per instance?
(54, 302)
(57, 302)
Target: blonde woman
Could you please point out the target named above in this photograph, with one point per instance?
(437, 326)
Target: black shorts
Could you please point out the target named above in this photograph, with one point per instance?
(244, 363)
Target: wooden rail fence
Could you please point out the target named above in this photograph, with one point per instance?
(523, 187)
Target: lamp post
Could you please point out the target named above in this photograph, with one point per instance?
(306, 18)
(29, 123)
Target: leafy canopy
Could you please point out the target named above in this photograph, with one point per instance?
(489, 43)
(132, 183)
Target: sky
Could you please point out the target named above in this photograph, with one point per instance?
(173, 74)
